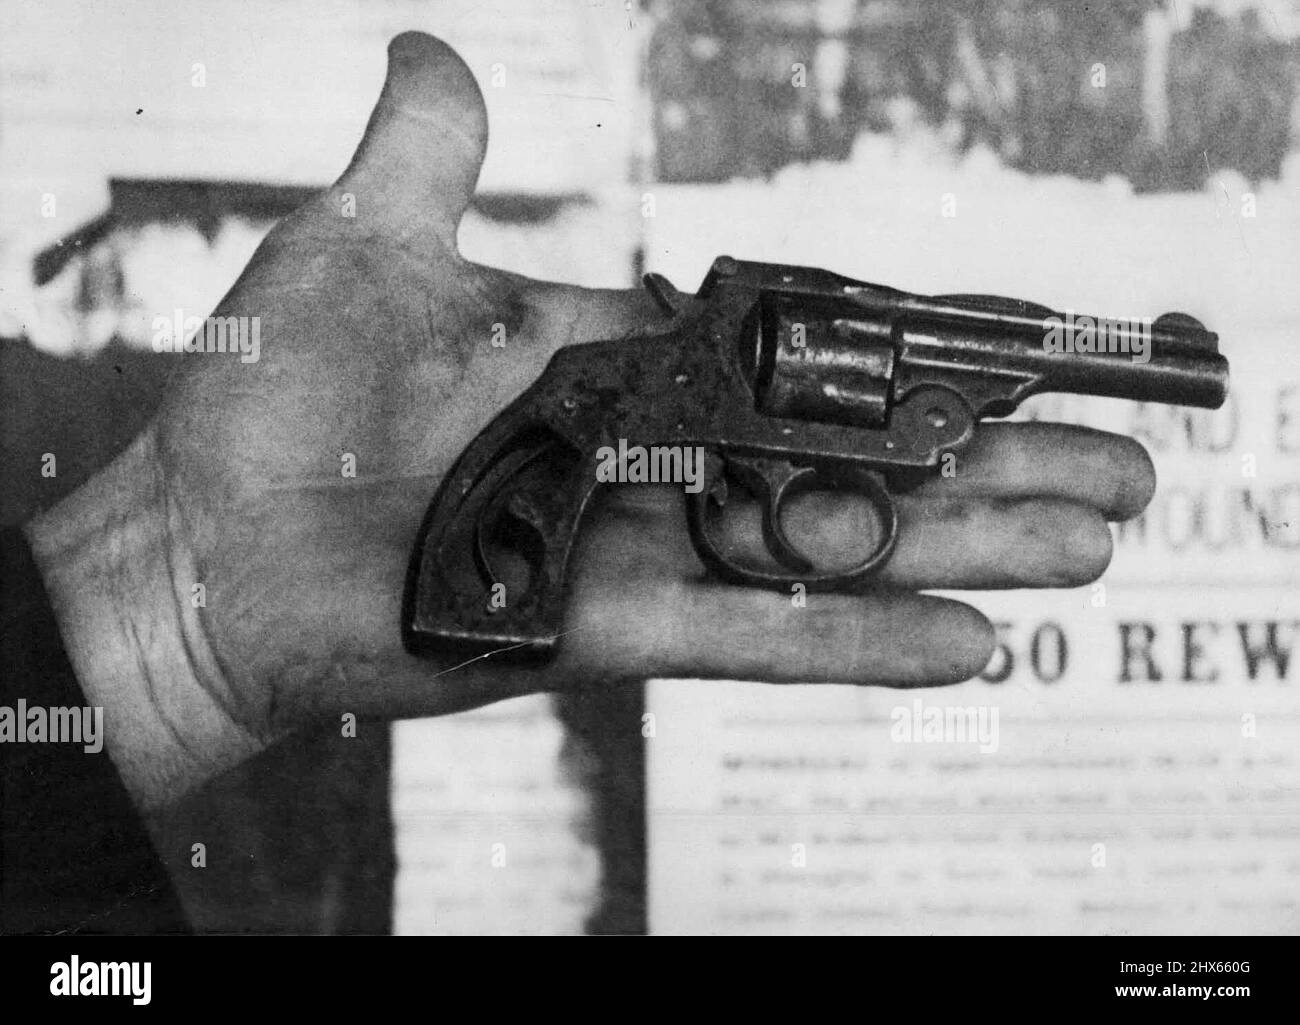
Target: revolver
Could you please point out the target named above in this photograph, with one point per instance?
(788, 379)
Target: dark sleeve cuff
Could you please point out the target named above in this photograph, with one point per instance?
(74, 853)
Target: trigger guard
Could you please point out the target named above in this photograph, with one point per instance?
(861, 482)
(773, 490)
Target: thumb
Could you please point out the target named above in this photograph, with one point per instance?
(414, 172)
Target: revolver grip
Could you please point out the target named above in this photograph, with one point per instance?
(489, 566)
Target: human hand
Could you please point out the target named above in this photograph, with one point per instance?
(376, 344)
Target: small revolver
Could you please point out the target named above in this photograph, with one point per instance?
(789, 379)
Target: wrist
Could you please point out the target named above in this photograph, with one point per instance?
(118, 584)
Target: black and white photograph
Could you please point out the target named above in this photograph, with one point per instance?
(648, 468)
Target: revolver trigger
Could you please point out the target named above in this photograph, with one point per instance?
(715, 489)
(772, 481)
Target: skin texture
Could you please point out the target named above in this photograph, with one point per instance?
(376, 342)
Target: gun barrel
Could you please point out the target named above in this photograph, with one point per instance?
(1173, 359)
(826, 360)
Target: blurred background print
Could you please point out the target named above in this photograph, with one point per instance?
(1138, 769)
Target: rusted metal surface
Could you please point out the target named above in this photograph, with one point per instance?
(791, 379)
